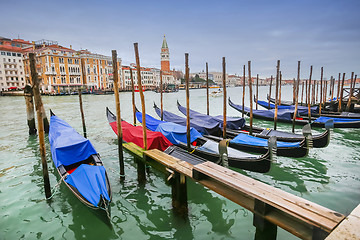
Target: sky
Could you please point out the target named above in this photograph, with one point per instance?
(316, 32)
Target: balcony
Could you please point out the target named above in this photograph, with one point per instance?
(74, 74)
(50, 73)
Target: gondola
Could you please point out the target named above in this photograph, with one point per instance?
(303, 111)
(237, 125)
(134, 134)
(285, 115)
(207, 148)
(79, 166)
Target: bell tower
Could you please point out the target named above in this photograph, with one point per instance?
(165, 59)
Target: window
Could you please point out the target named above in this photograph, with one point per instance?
(88, 70)
(2, 53)
(14, 55)
(8, 54)
(19, 55)
(52, 59)
(54, 80)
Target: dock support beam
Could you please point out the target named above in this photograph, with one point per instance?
(28, 94)
(264, 228)
(141, 177)
(179, 194)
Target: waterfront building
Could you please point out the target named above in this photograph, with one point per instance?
(12, 74)
(98, 70)
(58, 67)
(147, 77)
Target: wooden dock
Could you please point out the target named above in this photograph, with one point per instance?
(272, 207)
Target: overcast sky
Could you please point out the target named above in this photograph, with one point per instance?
(318, 33)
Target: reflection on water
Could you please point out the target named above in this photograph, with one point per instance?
(329, 177)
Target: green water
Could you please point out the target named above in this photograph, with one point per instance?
(328, 176)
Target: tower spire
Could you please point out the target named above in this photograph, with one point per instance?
(164, 44)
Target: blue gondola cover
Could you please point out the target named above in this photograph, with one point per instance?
(90, 182)
(255, 141)
(231, 122)
(175, 133)
(67, 145)
(336, 120)
(204, 127)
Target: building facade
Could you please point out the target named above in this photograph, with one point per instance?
(12, 73)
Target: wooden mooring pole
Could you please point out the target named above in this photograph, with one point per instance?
(118, 114)
(142, 98)
(257, 90)
(338, 88)
(179, 194)
(39, 106)
(224, 98)
(264, 228)
(341, 93)
(187, 101)
(82, 113)
(280, 83)
(161, 98)
(308, 96)
(141, 165)
(28, 94)
(207, 90)
(302, 92)
(317, 92)
(294, 90)
(243, 97)
(271, 80)
(321, 90)
(296, 97)
(251, 100)
(276, 92)
(133, 96)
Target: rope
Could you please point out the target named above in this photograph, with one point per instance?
(57, 186)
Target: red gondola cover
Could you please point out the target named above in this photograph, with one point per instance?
(155, 140)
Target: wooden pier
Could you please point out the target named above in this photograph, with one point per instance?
(272, 207)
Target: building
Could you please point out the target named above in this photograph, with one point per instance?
(98, 70)
(148, 76)
(58, 67)
(62, 69)
(12, 74)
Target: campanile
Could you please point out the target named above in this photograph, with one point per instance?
(165, 59)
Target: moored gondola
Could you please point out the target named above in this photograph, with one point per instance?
(79, 166)
(209, 149)
(237, 126)
(285, 115)
(245, 142)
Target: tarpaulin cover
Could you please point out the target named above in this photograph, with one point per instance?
(67, 146)
(90, 181)
(231, 122)
(301, 109)
(336, 120)
(151, 123)
(283, 114)
(211, 127)
(213, 147)
(155, 140)
(175, 133)
(255, 141)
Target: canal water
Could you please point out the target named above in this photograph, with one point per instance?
(328, 176)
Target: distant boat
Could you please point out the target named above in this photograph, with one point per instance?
(216, 93)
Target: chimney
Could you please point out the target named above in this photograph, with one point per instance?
(33, 42)
(70, 47)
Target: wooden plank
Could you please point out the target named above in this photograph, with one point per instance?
(170, 162)
(297, 207)
(349, 228)
(134, 149)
